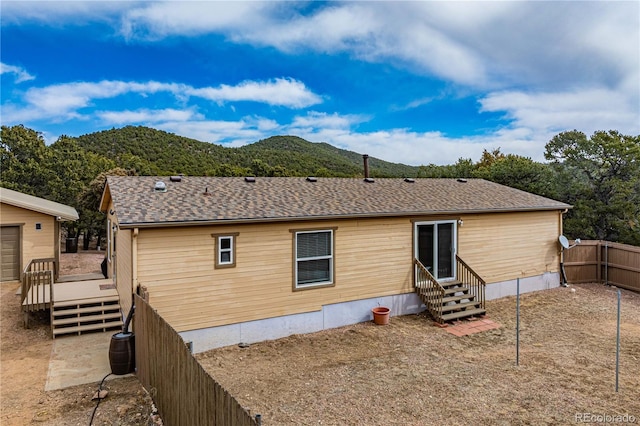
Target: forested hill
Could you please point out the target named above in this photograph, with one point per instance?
(154, 152)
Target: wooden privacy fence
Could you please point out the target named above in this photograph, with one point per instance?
(603, 261)
(182, 390)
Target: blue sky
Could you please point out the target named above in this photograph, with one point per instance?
(410, 82)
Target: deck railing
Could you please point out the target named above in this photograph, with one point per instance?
(430, 291)
(470, 278)
(37, 284)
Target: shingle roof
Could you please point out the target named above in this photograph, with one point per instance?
(294, 198)
(29, 202)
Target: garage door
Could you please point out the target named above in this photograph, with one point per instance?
(9, 253)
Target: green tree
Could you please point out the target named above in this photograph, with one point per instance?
(93, 221)
(489, 158)
(463, 168)
(24, 161)
(601, 176)
(72, 169)
(518, 172)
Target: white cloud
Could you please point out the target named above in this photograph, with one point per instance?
(156, 20)
(21, 74)
(402, 145)
(547, 66)
(60, 13)
(234, 133)
(320, 120)
(587, 110)
(396, 145)
(281, 92)
(474, 43)
(64, 101)
(481, 44)
(147, 116)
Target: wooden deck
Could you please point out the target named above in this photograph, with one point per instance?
(72, 291)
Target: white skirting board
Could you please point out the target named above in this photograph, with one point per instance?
(338, 315)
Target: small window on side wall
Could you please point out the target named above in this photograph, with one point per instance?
(225, 250)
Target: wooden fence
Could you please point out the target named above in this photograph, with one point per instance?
(182, 390)
(603, 261)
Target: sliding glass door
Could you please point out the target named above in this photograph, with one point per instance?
(435, 247)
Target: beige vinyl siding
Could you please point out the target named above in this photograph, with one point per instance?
(504, 246)
(36, 244)
(124, 273)
(372, 258)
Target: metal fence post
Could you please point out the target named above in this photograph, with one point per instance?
(618, 344)
(518, 321)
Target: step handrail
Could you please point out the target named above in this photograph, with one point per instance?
(36, 273)
(429, 289)
(466, 275)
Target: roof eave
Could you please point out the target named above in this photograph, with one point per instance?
(126, 225)
(106, 198)
(29, 202)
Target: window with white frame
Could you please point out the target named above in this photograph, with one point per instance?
(225, 250)
(313, 258)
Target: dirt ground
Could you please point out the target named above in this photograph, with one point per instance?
(24, 361)
(411, 372)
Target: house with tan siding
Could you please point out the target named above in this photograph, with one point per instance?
(29, 229)
(228, 259)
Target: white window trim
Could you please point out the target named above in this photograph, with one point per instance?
(218, 250)
(231, 260)
(455, 243)
(330, 282)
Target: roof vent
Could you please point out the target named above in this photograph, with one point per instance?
(369, 180)
(410, 180)
(462, 180)
(175, 178)
(312, 179)
(160, 186)
(249, 179)
(365, 159)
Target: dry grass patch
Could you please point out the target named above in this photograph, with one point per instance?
(411, 372)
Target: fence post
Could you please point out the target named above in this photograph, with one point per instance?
(618, 344)
(606, 263)
(518, 321)
(599, 261)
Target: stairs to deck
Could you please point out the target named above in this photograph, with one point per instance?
(458, 302)
(86, 315)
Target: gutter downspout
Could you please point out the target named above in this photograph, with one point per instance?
(134, 261)
(563, 275)
(56, 244)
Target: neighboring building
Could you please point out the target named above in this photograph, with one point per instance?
(30, 229)
(229, 260)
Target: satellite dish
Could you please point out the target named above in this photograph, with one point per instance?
(563, 241)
